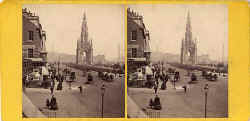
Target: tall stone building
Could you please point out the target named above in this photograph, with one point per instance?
(138, 41)
(189, 45)
(84, 50)
(34, 38)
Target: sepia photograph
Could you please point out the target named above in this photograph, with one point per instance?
(73, 61)
(177, 61)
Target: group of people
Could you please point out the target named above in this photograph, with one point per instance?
(59, 78)
(160, 74)
(52, 103)
(34, 76)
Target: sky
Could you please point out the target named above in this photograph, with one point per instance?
(62, 24)
(166, 24)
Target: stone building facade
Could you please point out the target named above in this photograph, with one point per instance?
(138, 40)
(34, 38)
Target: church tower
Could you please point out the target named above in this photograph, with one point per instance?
(188, 45)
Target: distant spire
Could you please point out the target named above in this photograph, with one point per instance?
(84, 16)
(188, 35)
(188, 25)
(84, 29)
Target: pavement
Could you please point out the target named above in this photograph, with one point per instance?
(178, 104)
(30, 109)
(134, 110)
(87, 104)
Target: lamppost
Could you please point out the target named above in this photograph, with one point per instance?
(58, 64)
(174, 83)
(206, 91)
(102, 92)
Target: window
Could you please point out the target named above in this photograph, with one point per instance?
(30, 53)
(129, 52)
(134, 52)
(134, 36)
(31, 35)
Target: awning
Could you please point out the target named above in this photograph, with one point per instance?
(34, 59)
(44, 52)
(137, 59)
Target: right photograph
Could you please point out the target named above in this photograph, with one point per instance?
(177, 61)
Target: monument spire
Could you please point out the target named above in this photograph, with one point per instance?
(188, 35)
(189, 45)
(84, 29)
(85, 45)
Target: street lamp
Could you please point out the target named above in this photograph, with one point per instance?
(206, 91)
(58, 64)
(162, 67)
(174, 83)
(102, 92)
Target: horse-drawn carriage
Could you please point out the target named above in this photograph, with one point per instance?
(209, 76)
(106, 76)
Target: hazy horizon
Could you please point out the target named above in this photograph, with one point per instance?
(167, 23)
(62, 23)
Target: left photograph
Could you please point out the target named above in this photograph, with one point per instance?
(73, 61)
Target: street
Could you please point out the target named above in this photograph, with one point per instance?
(72, 103)
(177, 103)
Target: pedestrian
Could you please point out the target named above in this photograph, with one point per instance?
(47, 103)
(116, 74)
(155, 88)
(185, 88)
(52, 83)
(24, 83)
(166, 78)
(163, 76)
(163, 86)
(140, 77)
(58, 77)
(80, 88)
(156, 75)
(151, 103)
(53, 103)
(157, 103)
(157, 82)
(51, 89)
(27, 81)
(62, 78)
(59, 86)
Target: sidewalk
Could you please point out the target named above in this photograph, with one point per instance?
(68, 104)
(134, 111)
(30, 110)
